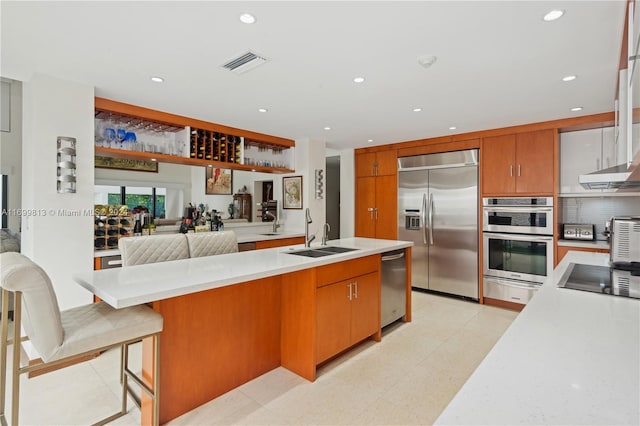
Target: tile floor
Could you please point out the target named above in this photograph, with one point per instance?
(408, 378)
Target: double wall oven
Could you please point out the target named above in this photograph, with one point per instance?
(517, 246)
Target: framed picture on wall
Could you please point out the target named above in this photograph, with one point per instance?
(218, 181)
(292, 192)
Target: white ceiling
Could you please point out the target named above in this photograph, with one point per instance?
(498, 63)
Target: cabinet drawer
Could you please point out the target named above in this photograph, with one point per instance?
(344, 270)
(108, 262)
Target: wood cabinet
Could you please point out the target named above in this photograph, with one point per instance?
(562, 251)
(327, 310)
(347, 312)
(519, 164)
(281, 242)
(381, 163)
(376, 195)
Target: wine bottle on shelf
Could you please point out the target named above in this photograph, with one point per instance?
(200, 145)
(223, 149)
(237, 149)
(207, 145)
(216, 146)
(194, 144)
(137, 228)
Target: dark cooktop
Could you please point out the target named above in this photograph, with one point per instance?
(623, 280)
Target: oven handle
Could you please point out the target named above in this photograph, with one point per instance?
(518, 209)
(518, 237)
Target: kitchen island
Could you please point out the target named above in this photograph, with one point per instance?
(571, 357)
(233, 317)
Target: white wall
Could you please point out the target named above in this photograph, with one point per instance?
(11, 155)
(61, 244)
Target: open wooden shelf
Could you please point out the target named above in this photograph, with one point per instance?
(164, 158)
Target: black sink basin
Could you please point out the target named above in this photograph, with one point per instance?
(334, 249)
(311, 253)
(321, 251)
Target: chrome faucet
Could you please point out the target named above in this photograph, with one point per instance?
(307, 239)
(325, 233)
(276, 223)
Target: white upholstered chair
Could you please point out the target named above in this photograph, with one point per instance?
(60, 337)
(212, 243)
(153, 249)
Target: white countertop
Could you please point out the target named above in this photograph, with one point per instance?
(570, 357)
(134, 285)
(597, 244)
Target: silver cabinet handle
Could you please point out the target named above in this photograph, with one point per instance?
(511, 170)
(355, 283)
(370, 210)
(519, 169)
(375, 212)
(424, 219)
(431, 219)
(350, 291)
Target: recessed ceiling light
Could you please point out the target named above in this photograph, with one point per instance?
(153, 159)
(358, 80)
(576, 109)
(553, 15)
(417, 109)
(247, 18)
(157, 79)
(369, 140)
(262, 110)
(327, 128)
(569, 78)
(452, 128)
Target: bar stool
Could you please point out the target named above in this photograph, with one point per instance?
(153, 249)
(60, 337)
(212, 243)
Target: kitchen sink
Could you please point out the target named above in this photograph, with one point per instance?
(321, 251)
(335, 249)
(311, 253)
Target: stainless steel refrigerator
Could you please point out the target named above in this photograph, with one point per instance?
(438, 211)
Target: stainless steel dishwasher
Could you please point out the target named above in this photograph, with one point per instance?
(394, 286)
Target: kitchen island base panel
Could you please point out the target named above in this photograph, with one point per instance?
(504, 304)
(232, 335)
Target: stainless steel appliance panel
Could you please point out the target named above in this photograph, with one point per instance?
(510, 290)
(513, 215)
(412, 208)
(437, 208)
(394, 286)
(452, 212)
(625, 239)
(519, 257)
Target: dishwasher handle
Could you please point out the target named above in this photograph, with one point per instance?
(392, 257)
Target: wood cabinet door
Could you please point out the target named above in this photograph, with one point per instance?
(387, 162)
(534, 162)
(365, 307)
(333, 320)
(498, 168)
(365, 225)
(365, 164)
(386, 217)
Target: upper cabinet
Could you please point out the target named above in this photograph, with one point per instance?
(381, 163)
(582, 152)
(518, 164)
(137, 133)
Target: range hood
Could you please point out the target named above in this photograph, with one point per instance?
(617, 177)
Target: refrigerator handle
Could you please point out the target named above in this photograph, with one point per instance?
(431, 219)
(424, 218)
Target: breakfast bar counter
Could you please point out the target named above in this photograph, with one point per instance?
(570, 357)
(233, 317)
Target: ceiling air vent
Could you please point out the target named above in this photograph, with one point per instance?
(244, 62)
